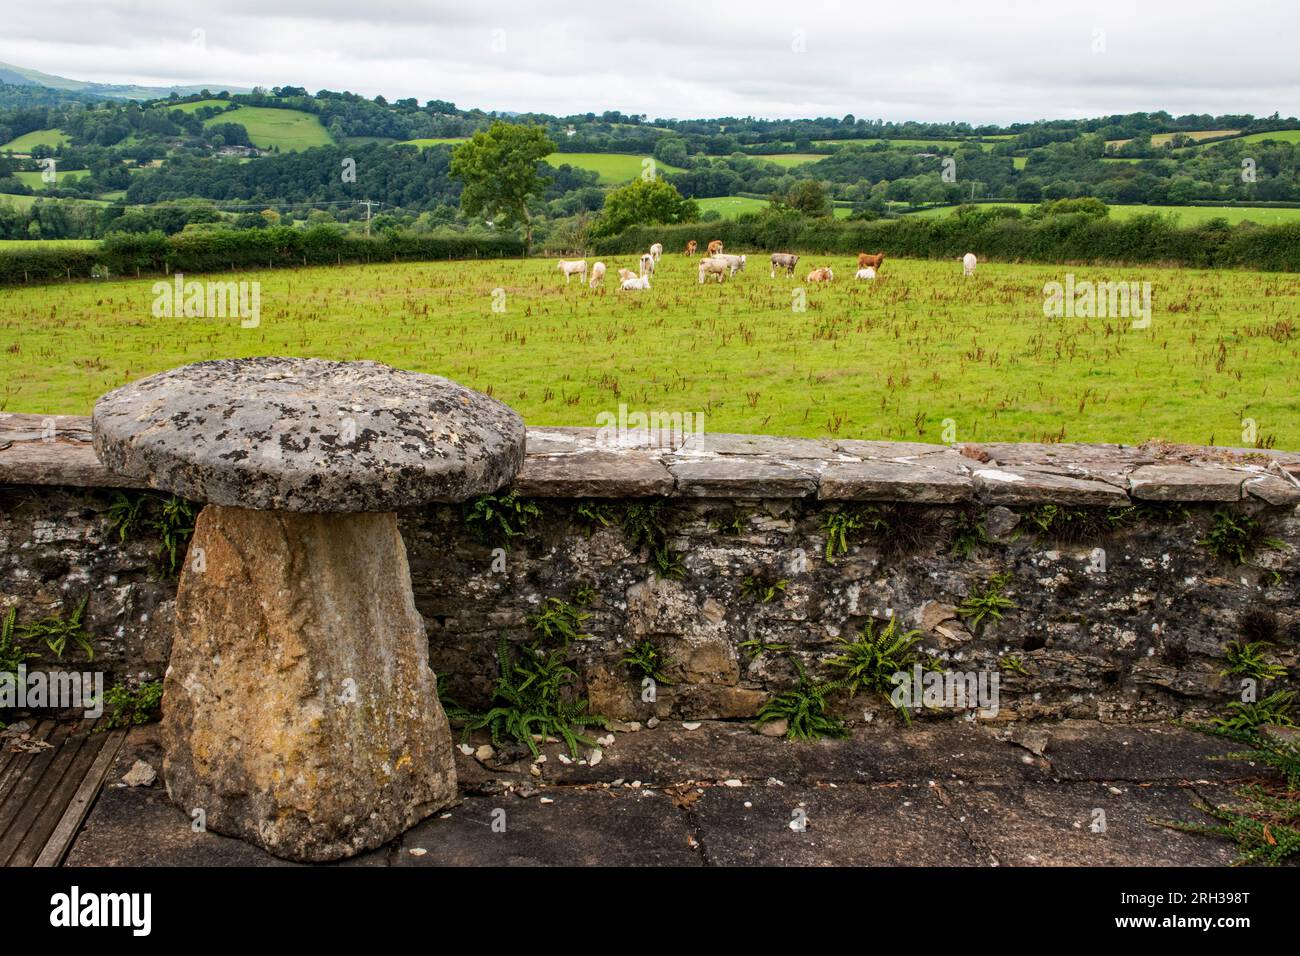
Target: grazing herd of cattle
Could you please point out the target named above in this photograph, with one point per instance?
(723, 266)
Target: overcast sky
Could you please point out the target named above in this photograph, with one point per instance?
(986, 61)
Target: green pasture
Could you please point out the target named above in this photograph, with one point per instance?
(268, 127)
(893, 358)
(614, 169)
(1186, 215)
(40, 137)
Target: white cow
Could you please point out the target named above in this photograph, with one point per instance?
(968, 264)
(647, 265)
(734, 263)
(642, 283)
(573, 267)
(867, 273)
(714, 265)
(597, 274)
(657, 250)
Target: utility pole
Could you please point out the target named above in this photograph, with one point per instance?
(367, 203)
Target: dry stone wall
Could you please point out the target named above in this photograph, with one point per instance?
(1129, 570)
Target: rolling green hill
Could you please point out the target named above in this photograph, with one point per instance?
(23, 76)
(40, 137)
(273, 128)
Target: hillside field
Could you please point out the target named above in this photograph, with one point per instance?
(614, 169)
(33, 180)
(905, 143)
(729, 207)
(434, 141)
(40, 137)
(268, 127)
(48, 243)
(24, 203)
(1279, 136)
(1186, 215)
(889, 359)
(790, 160)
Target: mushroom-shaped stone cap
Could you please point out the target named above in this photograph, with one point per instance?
(290, 434)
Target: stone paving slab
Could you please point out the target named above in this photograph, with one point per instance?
(1084, 750)
(130, 826)
(857, 825)
(950, 793)
(1052, 824)
(562, 827)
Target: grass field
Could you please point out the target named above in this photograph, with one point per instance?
(1163, 139)
(790, 160)
(902, 143)
(1186, 215)
(33, 180)
(892, 358)
(436, 141)
(47, 243)
(197, 105)
(1280, 136)
(40, 137)
(732, 206)
(25, 202)
(614, 169)
(287, 130)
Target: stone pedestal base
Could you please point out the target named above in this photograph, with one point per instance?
(299, 711)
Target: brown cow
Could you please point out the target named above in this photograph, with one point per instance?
(690, 248)
(870, 262)
(715, 247)
(823, 274)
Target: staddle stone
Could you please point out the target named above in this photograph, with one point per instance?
(299, 710)
(287, 434)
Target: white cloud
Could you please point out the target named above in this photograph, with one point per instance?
(935, 60)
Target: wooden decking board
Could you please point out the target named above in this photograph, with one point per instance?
(17, 766)
(13, 762)
(60, 840)
(46, 795)
(27, 798)
(84, 747)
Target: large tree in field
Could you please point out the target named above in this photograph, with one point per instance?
(498, 167)
(644, 202)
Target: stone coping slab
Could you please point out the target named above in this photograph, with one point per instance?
(569, 462)
(294, 434)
